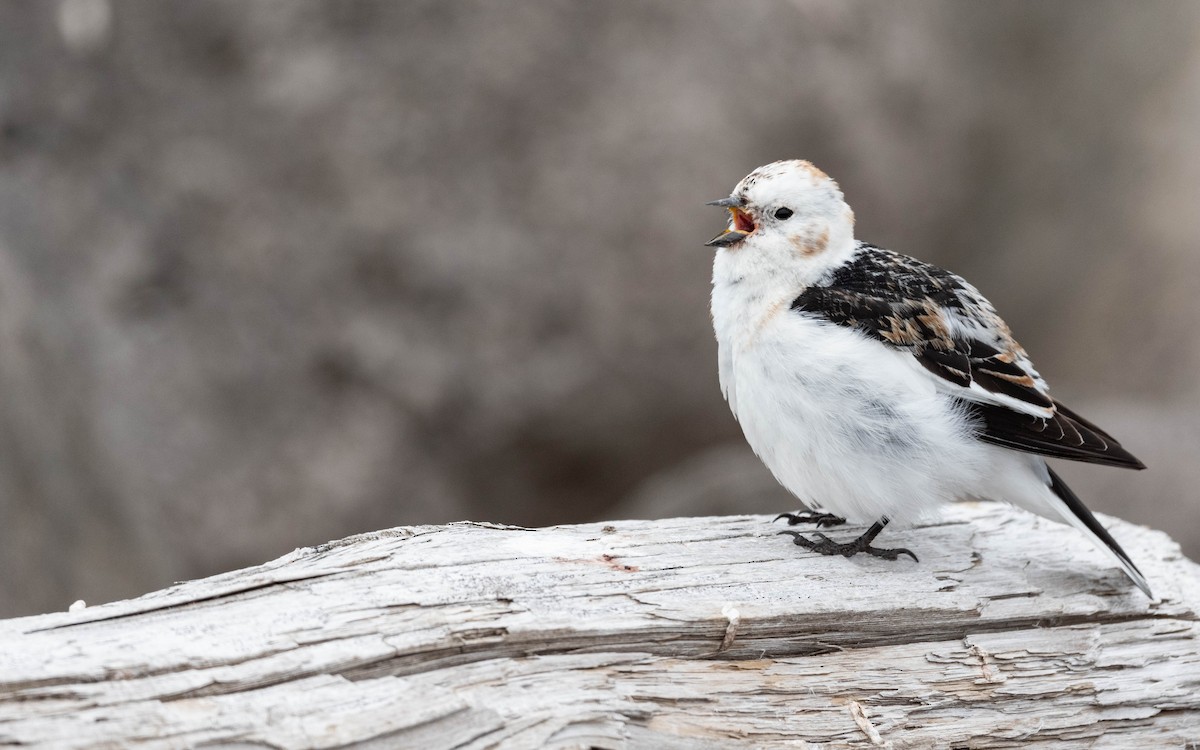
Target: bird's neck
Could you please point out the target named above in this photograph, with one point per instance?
(751, 279)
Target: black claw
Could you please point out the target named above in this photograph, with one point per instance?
(799, 539)
(813, 517)
(824, 545)
(891, 554)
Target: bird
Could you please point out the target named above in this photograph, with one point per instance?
(877, 387)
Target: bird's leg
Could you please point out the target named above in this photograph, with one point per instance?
(813, 517)
(826, 546)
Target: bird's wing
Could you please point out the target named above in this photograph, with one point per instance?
(955, 334)
(945, 323)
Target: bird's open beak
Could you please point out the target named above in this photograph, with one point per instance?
(740, 223)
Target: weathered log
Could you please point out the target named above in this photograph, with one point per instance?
(683, 633)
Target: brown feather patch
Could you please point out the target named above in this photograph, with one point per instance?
(1024, 381)
(808, 245)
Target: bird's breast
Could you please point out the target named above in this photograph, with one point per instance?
(742, 319)
(839, 417)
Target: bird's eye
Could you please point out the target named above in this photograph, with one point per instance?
(783, 213)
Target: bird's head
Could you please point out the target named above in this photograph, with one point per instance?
(788, 213)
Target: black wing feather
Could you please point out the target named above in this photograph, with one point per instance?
(898, 301)
(902, 302)
(1063, 435)
(952, 365)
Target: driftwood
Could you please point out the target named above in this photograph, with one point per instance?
(685, 633)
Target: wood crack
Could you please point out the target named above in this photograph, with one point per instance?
(677, 633)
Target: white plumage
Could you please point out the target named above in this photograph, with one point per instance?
(840, 421)
(818, 366)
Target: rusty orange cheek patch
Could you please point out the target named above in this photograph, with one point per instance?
(809, 245)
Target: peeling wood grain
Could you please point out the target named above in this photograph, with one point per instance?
(682, 633)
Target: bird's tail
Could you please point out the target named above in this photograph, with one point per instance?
(1074, 512)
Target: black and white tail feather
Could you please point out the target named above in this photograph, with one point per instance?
(1074, 512)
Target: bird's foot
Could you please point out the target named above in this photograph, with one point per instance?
(826, 546)
(811, 516)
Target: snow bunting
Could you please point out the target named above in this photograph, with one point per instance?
(877, 385)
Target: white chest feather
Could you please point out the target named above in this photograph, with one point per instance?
(842, 421)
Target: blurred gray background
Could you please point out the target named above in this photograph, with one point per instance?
(276, 272)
